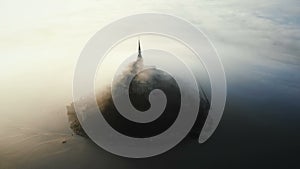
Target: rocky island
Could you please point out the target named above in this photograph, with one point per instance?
(140, 85)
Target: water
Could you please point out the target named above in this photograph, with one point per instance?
(259, 129)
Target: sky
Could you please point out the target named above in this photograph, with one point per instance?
(258, 42)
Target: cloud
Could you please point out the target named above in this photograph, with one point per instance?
(257, 40)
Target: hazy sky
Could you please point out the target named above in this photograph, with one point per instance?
(41, 40)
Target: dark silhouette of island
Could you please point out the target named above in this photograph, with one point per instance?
(142, 82)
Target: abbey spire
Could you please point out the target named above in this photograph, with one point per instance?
(139, 50)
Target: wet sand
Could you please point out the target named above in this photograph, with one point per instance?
(246, 138)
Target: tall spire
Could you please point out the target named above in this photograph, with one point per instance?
(140, 53)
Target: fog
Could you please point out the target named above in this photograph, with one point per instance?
(257, 41)
(253, 39)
